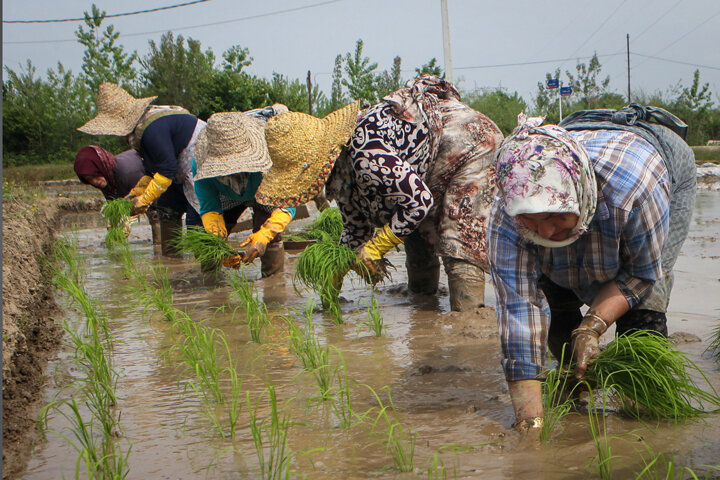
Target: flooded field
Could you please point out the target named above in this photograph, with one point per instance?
(442, 370)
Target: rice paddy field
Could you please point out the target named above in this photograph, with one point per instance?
(171, 372)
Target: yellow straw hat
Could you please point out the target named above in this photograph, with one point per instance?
(231, 142)
(117, 111)
(303, 149)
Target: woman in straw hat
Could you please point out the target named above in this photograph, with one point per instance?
(593, 212)
(165, 138)
(417, 171)
(230, 160)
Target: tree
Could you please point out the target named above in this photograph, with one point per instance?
(236, 58)
(586, 84)
(103, 60)
(177, 74)
(503, 109)
(360, 75)
(229, 91)
(694, 97)
(545, 102)
(390, 81)
(431, 68)
(336, 95)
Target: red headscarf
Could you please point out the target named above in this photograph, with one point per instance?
(94, 161)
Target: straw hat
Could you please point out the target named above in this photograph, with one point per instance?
(117, 111)
(230, 143)
(303, 149)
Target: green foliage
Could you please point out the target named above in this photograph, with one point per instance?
(117, 211)
(430, 68)
(388, 82)
(652, 378)
(502, 108)
(208, 249)
(587, 86)
(360, 73)
(337, 99)
(103, 60)
(270, 436)
(176, 73)
(229, 91)
(236, 58)
(328, 226)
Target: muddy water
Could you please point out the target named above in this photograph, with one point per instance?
(442, 370)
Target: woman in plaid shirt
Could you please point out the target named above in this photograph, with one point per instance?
(585, 217)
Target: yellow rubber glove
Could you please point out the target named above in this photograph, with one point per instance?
(140, 186)
(155, 188)
(257, 241)
(369, 263)
(215, 224)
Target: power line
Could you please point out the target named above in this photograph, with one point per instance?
(127, 14)
(656, 21)
(534, 62)
(140, 34)
(675, 61)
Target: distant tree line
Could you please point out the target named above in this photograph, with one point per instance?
(40, 114)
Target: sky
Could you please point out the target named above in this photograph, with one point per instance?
(494, 44)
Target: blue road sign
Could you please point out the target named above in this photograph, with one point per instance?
(566, 91)
(552, 83)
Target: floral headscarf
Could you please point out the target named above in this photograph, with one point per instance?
(543, 169)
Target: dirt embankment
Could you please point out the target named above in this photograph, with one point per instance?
(30, 336)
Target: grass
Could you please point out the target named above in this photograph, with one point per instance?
(208, 249)
(270, 436)
(650, 377)
(375, 320)
(557, 399)
(321, 267)
(39, 173)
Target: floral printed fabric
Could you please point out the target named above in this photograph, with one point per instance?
(543, 169)
(421, 160)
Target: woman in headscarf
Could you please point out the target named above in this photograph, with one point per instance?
(113, 175)
(585, 217)
(229, 165)
(418, 171)
(165, 138)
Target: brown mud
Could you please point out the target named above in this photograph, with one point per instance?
(442, 368)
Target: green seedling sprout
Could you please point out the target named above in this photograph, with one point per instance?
(328, 226)
(400, 442)
(116, 212)
(714, 347)
(270, 436)
(598, 430)
(375, 320)
(256, 311)
(557, 398)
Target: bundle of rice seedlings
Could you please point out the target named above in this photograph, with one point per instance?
(651, 377)
(117, 211)
(115, 237)
(328, 226)
(321, 267)
(207, 248)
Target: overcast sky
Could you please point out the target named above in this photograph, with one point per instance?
(508, 44)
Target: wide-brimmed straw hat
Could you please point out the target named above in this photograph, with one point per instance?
(231, 142)
(303, 149)
(117, 111)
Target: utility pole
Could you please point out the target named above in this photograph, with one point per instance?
(446, 41)
(628, 62)
(309, 84)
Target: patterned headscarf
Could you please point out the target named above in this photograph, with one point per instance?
(94, 161)
(543, 169)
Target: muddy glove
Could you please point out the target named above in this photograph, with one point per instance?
(257, 241)
(155, 188)
(585, 341)
(140, 186)
(370, 263)
(214, 223)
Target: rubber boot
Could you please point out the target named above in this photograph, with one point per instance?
(170, 231)
(273, 260)
(154, 219)
(466, 283)
(422, 264)
(642, 320)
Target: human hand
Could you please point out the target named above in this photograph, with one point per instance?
(232, 261)
(586, 341)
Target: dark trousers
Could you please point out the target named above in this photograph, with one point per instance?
(565, 316)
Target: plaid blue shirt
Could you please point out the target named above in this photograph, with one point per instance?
(623, 244)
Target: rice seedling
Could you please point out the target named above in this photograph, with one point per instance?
(270, 436)
(400, 442)
(651, 377)
(375, 320)
(256, 312)
(557, 399)
(714, 347)
(342, 403)
(322, 267)
(199, 351)
(598, 430)
(314, 356)
(207, 248)
(158, 293)
(328, 226)
(116, 212)
(661, 467)
(436, 470)
(115, 238)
